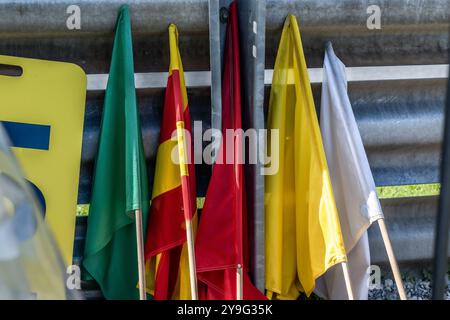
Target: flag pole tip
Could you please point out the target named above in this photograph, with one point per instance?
(124, 7)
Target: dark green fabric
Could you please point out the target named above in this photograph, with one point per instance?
(120, 183)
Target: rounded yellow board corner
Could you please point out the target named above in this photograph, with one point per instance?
(51, 94)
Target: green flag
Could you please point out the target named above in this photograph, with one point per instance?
(120, 178)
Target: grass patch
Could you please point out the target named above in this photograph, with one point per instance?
(415, 190)
(83, 209)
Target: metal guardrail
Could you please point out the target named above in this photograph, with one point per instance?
(400, 120)
(412, 32)
(411, 223)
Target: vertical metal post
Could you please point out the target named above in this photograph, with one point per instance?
(440, 265)
(252, 15)
(252, 18)
(217, 29)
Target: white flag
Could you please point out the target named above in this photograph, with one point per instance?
(352, 181)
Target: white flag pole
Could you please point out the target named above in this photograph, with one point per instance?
(140, 254)
(392, 260)
(239, 283)
(348, 283)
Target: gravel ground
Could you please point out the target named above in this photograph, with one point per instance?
(417, 287)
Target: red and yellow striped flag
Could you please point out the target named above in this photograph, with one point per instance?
(167, 266)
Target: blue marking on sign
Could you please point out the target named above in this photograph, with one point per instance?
(27, 135)
(40, 197)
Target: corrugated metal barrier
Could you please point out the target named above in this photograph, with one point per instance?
(399, 109)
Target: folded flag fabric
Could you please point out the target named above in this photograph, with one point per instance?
(167, 267)
(352, 180)
(120, 184)
(221, 243)
(303, 234)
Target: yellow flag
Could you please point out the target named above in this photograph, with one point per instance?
(303, 234)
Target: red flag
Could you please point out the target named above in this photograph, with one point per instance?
(221, 243)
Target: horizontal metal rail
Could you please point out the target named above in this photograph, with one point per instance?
(196, 79)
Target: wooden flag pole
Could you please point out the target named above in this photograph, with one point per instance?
(239, 283)
(191, 258)
(348, 283)
(140, 254)
(392, 260)
(187, 205)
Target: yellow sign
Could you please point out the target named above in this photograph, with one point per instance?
(42, 109)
